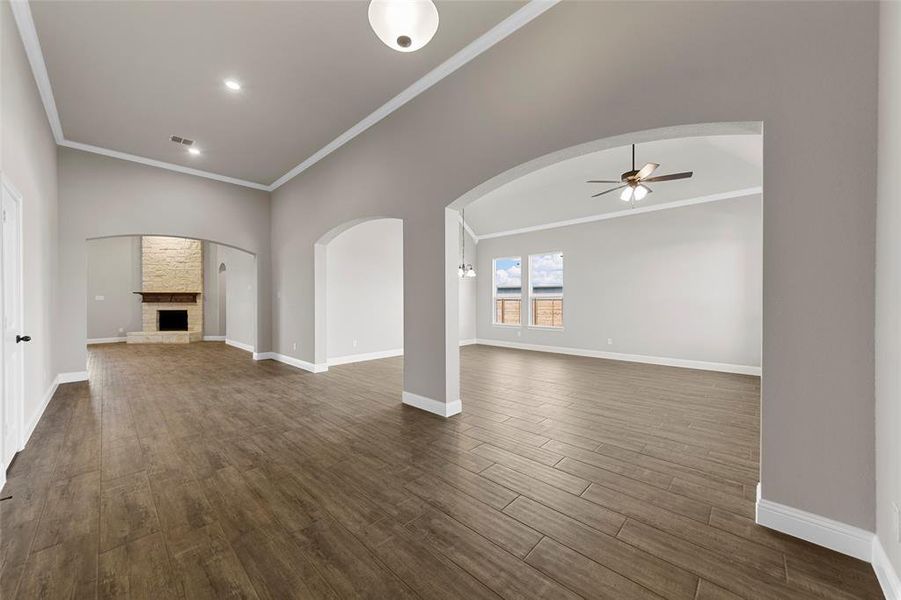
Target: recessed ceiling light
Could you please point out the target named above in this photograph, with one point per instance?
(194, 151)
(232, 85)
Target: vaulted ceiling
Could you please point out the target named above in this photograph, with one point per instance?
(127, 75)
(723, 165)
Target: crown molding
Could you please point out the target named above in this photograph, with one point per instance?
(29, 35)
(628, 212)
(521, 17)
(162, 165)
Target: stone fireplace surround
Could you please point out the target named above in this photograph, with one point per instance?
(172, 277)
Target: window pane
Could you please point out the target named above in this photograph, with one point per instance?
(508, 290)
(546, 289)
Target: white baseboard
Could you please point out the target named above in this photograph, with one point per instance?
(214, 338)
(289, 360)
(639, 358)
(814, 528)
(353, 358)
(442, 409)
(48, 396)
(240, 345)
(835, 535)
(110, 340)
(32, 423)
(885, 572)
(72, 377)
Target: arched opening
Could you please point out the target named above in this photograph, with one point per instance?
(359, 292)
(169, 289)
(672, 280)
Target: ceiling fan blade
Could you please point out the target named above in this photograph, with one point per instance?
(671, 176)
(603, 181)
(646, 170)
(608, 191)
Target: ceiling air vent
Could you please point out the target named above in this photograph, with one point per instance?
(181, 140)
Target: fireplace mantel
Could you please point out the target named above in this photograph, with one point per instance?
(168, 297)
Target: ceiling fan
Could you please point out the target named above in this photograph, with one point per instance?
(633, 182)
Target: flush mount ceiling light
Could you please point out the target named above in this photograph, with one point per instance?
(193, 151)
(232, 85)
(404, 25)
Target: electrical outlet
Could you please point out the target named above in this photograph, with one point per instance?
(519, 333)
(355, 343)
(121, 330)
(609, 341)
(294, 346)
(897, 515)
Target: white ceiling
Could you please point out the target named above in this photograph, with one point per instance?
(721, 165)
(127, 75)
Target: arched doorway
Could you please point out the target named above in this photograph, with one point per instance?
(119, 271)
(537, 165)
(359, 292)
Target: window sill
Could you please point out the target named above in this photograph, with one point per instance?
(506, 326)
(545, 327)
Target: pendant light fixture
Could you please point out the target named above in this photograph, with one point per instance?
(464, 270)
(404, 25)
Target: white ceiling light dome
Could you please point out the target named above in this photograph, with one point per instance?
(404, 25)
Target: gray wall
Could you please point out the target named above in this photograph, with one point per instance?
(888, 284)
(28, 160)
(240, 293)
(365, 289)
(100, 197)
(211, 290)
(113, 274)
(682, 283)
(795, 66)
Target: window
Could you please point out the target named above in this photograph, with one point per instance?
(546, 290)
(507, 291)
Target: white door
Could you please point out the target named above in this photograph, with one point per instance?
(12, 346)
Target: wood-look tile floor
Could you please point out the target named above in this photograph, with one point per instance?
(194, 472)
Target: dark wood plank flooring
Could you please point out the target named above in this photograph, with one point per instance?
(194, 472)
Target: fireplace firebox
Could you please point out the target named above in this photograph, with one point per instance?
(173, 320)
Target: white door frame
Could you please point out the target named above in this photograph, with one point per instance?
(19, 408)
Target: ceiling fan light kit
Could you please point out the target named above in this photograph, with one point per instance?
(633, 182)
(404, 25)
